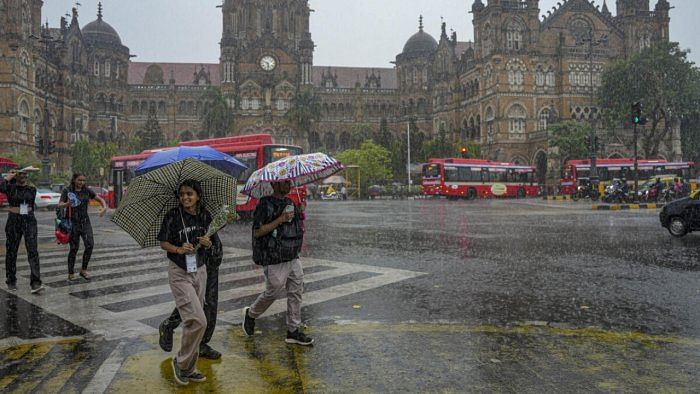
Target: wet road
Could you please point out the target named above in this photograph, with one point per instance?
(418, 295)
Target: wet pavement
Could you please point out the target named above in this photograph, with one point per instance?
(424, 295)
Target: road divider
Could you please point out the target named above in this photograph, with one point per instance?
(623, 207)
(557, 198)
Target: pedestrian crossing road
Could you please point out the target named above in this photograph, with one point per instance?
(128, 294)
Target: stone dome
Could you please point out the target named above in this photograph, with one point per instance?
(420, 42)
(100, 33)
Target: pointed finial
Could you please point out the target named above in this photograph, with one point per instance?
(420, 23)
(99, 10)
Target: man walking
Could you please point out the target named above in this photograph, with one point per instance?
(277, 238)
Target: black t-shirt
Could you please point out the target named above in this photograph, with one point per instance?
(172, 231)
(282, 244)
(17, 194)
(79, 213)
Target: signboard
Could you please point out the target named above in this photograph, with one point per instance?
(498, 189)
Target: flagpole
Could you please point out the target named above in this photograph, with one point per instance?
(408, 164)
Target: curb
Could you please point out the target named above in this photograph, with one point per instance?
(558, 198)
(622, 207)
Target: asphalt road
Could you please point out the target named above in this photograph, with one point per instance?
(418, 295)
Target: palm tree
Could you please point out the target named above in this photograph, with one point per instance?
(216, 117)
(305, 109)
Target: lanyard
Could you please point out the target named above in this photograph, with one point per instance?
(184, 227)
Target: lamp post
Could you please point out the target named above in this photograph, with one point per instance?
(45, 150)
(591, 41)
(408, 163)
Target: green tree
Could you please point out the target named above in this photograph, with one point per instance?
(690, 123)
(359, 133)
(151, 136)
(92, 158)
(570, 138)
(661, 78)
(384, 137)
(374, 162)
(305, 109)
(216, 116)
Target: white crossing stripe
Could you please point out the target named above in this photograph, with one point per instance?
(119, 283)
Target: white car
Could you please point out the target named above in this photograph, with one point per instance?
(46, 198)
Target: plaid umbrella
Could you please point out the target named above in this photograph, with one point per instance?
(152, 195)
(300, 169)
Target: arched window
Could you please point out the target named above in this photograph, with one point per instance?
(516, 121)
(96, 68)
(24, 119)
(489, 124)
(108, 68)
(514, 36)
(539, 76)
(543, 119)
(516, 70)
(550, 78)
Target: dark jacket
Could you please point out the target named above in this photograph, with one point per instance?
(282, 244)
(173, 231)
(17, 194)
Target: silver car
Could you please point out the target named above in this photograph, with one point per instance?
(46, 199)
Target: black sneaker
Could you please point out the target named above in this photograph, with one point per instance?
(248, 323)
(166, 336)
(205, 351)
(196, 376)
(180, 378)
(36, 289)
(297, 337)
(12, 286)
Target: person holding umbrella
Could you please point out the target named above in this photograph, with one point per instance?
(183, 227)
(21, 222)
(278, 234)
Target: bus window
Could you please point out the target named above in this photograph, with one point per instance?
(274, 153)
(451, 174)
(251, 160)
(485, 175)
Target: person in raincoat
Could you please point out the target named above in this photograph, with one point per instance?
(20, 222)
(78, 197)
(184, 227)
(277, 238)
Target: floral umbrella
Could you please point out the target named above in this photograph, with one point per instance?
(300, 170)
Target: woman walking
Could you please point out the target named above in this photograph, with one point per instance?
(20, 222)
(183, 227)
(77, 197)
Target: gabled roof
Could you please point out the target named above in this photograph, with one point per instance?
(578, 6)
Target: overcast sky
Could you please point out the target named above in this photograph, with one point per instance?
(367, 33)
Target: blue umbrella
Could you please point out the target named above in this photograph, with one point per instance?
(206, 154)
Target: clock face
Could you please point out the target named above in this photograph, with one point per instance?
(268, 63)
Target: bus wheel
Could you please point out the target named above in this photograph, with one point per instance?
(521, 193)
(471, 194)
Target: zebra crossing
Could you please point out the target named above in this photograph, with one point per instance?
(128, 294)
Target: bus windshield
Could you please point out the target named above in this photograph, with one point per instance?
(431, 171)
(251, 160)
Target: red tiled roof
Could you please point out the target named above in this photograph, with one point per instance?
(183, 72)
(348, 76)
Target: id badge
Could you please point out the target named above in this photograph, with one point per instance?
(24, 209)
(191, 260)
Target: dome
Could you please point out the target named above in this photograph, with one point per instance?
(100, 33)
(420, 42)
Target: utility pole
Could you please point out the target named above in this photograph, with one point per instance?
(637, 119)
(408, 164)
(47, 146)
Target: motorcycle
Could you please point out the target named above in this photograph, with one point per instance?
(667, 195)
(585, 191)
(616, 193)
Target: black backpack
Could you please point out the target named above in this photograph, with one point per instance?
(282, 244)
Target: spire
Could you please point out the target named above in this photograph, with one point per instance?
(99, 11)
(420, 23)
(605, 10)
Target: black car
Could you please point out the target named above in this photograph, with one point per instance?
(682, 216)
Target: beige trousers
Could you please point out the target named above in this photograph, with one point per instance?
(188, 290)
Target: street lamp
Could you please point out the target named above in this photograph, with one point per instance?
(408, 163)
(591, 41)
(45, 148)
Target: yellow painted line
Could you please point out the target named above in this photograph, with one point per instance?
(69, 367)
(35, 353)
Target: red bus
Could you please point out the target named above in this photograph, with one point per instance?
(470, 178)
(5, 166)
(609, 169)
(255, 150)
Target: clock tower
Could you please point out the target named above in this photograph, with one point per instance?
(266, 57)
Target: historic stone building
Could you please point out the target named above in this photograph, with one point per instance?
(523, 71)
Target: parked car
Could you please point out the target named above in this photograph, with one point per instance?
(682, 216)
(46, 198)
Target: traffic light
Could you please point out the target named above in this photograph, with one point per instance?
(637, 117)
(39, 145)
(52, 147)
(464, 151)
